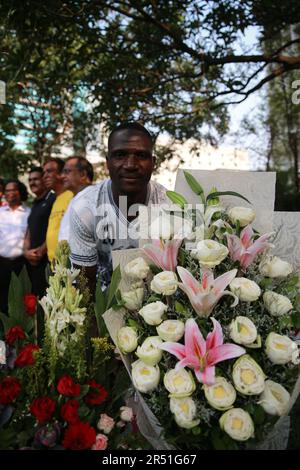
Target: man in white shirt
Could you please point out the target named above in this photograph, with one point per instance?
(105, 219)
(13, 226)
(77, 176)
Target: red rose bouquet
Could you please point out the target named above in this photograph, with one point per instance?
(54, 395)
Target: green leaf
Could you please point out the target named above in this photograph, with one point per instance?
(7, 438)
(83, 390)
(266, 283)
(100, 299)
(114, 284)
(153, 298)
(215, 201)
(217, 442)
(100, 309)
(194, 185)
(177, 198)
(225, 193)
(6, 321)
(133, 324)
(16, 308)
(259, 415)
(25, 281)
(296, 319)
(196, 431)
(285, 321)
(179, 307)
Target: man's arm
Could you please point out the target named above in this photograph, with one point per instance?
(31, 255)
(82, 243)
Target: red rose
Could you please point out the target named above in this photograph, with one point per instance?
(66, 386)
(10, 388)
(30, 301)
(69, 411)
(96, 395)
(42, 408)
(79, 436)
(14, 333)
(25, 356)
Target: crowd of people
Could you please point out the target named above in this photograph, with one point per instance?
(68, 206)
(28, 237)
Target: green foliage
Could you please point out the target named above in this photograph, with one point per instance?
(212, 196)
(177, 198)
(19, 286)
(171, 66)
(106, 300)
(194, 185)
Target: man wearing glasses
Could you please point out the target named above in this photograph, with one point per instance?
(105, 219)
(78, 175)
(53, 179)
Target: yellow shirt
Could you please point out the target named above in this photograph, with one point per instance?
(58, 209)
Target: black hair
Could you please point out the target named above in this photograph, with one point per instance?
(134, 126)
(60, 163)
(21, 188)
(36, 169)
(82, 164)
(2, 182)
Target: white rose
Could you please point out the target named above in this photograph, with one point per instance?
(248, 377)
(242, 330)
(171, 330)
(153, 312)
(209, 253)
(137, 268)
(238, 424)
(221, 395)
(164, 283)
(274, 399)
(179, 383)
(133, 299)
(149, 351)
(272, 266)
(126, 414)
(245, 215)
(184, 410)
(168, 226)
(277, 304)
(127, 339)
(145, 378)
(245, 289)
(281, 349)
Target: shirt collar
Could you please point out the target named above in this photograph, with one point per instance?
(19, 208)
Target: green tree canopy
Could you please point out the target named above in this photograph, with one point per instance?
(173, 64)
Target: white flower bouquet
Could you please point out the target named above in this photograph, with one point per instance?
(207, 328)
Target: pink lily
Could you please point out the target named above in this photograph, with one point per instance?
(200, 354)
(206, 294)
(244, 249)
(164, 253)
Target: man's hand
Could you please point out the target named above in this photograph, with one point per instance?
(32, 256)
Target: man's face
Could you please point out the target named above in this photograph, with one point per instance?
(36, 183)
(130, 162)
(71, 176)
(51, 177)
(12, 194)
